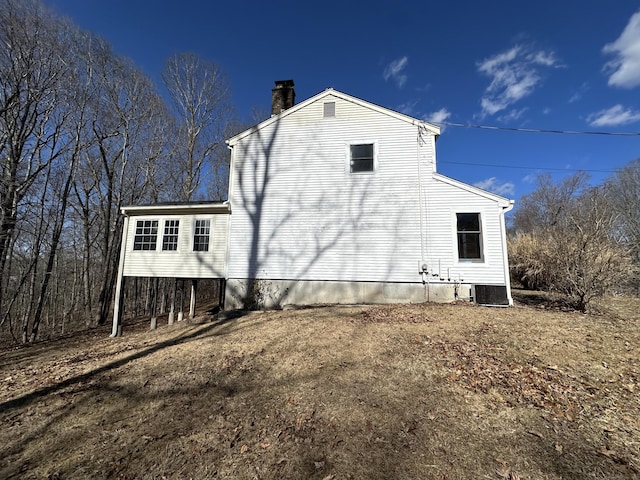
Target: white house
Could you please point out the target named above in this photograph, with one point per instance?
(332, 200)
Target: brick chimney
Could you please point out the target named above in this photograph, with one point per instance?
(282, 97)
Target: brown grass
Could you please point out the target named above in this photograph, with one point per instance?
(415, 391)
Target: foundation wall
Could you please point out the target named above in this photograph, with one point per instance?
(279, 293)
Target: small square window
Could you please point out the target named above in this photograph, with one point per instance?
(329, 109)
(146, 235)
(201, 236)
(362, 158)
(469, 236)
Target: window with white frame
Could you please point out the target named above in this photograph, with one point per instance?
(146, 235)
(201, 235)
(362, 156)
(469, 231)
(170, 236)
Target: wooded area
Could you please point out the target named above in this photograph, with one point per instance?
(83, 132)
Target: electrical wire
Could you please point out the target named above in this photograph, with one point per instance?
(538, 130)
(522, 167)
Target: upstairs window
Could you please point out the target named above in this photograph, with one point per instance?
(201, 235)
(469, 236)
(362, 158)
(146, 235)
(170, 237)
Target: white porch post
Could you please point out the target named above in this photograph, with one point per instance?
(117, 307)
(181, 310)
(192, 302)
(172, 312)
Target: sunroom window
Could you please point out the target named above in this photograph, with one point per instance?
(170, 237)
(146, 235)
(201, 236)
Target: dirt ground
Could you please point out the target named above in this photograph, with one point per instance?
(425, 391)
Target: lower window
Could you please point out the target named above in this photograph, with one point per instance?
(469, 236)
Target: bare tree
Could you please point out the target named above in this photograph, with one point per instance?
(201, 104)
(125, 128)
(573, 247)
(545, 206)
(33, 72)
(623, 190)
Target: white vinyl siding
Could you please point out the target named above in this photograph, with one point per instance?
(182, 262)
(312, 219)
(298, 212)
(444, 201)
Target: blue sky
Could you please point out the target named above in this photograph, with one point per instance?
(570, 65)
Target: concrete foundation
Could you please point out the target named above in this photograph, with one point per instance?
(278, 293)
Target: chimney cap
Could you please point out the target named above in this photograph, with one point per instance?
(284, 83)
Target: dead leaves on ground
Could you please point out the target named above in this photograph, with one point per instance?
(393, 314)
(476, 367)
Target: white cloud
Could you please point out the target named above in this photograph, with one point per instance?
(547, 59)
(625, 67)
(611, 117)
(577, 95)
(513, 115)
(438, 117)
(408, 108)
(515, 74)
(394, 70)
(492, 185)
(531, 178)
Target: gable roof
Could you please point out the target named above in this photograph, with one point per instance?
(334, 93)
(502, 201)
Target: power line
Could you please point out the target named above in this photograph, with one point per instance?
(538, 130)
(530, 168)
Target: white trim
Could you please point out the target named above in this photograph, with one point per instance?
(505, 256)
(503, 201)
(176, 209)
